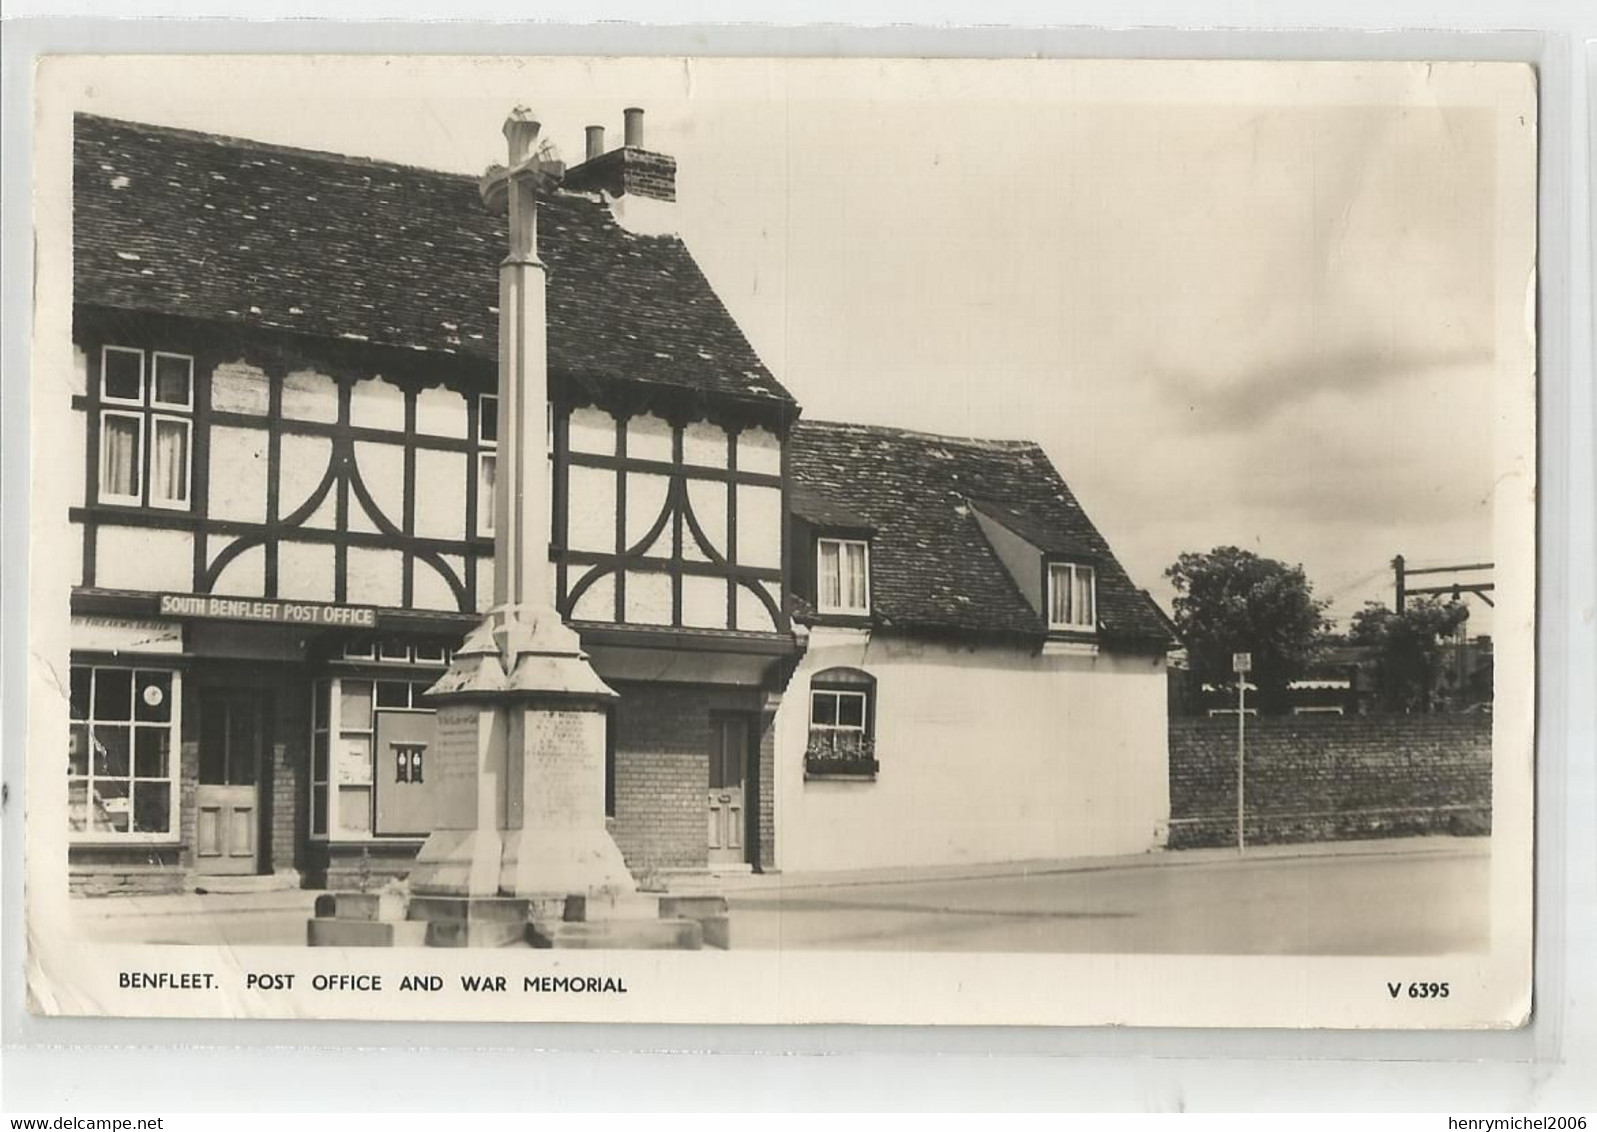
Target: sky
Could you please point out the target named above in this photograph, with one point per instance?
(1238, 304)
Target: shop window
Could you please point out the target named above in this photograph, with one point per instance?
(1072, 597)
(842, 737)
(146, 428)
(345, 760)
(394, 651)
(321, 746)
(121, 758)
(842, 574)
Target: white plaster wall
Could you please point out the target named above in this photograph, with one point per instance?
(244, 576)
(382, 470)
(375, 403)
(707, 498)
(303, 464)
(441, 493)
(238, 474)
(428, 588)
(648, 597)
(649, 438)
(375, 577)
(441, 411)
(240, 388)
(132, 558)
(704, 444)
(591, 510)
(987, 754)
(77, 457)
(80, 372)
(75, 537)
(305, 571)
(759, 530)
(759, 451)
(753, 617)
(646, 495)
(598, 601)
(311, 396)
(703, 602)
(485, 584)
(593, 431)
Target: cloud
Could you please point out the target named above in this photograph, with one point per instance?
(1266, 391)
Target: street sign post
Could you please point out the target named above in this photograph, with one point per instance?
(1241, 664)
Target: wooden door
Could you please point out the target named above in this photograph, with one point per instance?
(729, 752)
(227, 799)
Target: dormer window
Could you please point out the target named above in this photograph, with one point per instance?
(1072, 597)
(843, 575)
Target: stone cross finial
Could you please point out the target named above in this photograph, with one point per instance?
(514, 189)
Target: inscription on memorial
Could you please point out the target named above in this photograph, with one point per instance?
(564, 767)
(457, 765)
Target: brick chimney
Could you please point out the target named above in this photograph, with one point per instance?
(630, 170)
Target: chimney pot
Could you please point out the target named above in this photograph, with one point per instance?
(634, 126)
(595, 142)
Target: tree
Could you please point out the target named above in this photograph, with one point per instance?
(1230, 601)
(1408, 649)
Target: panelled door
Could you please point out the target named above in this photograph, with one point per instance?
(729, 752)
(227, 799)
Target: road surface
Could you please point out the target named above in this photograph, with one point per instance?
(1389, 903)
(1424, 897)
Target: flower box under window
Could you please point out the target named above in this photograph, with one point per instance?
(825, 757)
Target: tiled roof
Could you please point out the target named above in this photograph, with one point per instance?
(249, 234)
(931, 565)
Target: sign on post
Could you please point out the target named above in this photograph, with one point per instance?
(1241, 664)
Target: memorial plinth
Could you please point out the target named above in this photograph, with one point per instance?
(521, 758)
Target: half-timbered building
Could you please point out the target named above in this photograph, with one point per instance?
(285, 376)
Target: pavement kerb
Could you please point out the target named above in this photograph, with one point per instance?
(1168, 859)
(193, 903)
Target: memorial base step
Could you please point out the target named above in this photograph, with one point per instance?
(329, 932)
(592, 922)
(619, 935)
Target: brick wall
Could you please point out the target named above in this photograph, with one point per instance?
(1325, 778)
(662, 770)
(640, 172)
(289, 758)
(768, 791)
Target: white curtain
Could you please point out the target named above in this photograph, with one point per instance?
(831, 577)
(119, 455)
(1081, 597)
(856, 575)
(169, 462)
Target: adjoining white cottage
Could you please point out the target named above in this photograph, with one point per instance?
(980, 680)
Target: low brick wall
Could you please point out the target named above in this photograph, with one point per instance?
(1329, 778)
(131, 870)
